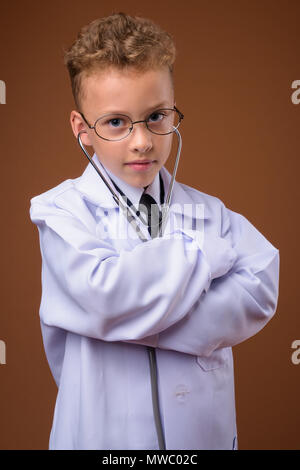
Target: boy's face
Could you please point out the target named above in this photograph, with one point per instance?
(137, 95)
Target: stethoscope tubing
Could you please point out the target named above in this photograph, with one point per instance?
(129, 211)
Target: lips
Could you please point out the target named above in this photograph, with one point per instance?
(143, 165)
(139, 162)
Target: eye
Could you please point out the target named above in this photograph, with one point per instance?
(156, 116)
(115, 122)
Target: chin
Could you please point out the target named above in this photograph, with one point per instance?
(141, 182)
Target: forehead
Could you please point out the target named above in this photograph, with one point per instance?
(126, 90)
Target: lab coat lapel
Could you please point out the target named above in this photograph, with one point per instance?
(92, 187)
(185, 211)
(111, 222)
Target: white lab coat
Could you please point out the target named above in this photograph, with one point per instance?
(106, 296)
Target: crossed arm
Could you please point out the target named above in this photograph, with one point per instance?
(237, 305)
(175, 304)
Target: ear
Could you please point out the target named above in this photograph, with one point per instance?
(78, 125)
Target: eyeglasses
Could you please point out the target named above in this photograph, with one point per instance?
(118, 126)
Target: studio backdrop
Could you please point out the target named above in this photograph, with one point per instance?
(237, 81)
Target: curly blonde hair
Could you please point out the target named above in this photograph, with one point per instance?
(121, 41)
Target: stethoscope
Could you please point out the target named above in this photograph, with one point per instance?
(133, 216)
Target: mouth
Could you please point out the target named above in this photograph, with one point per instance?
(141, 165)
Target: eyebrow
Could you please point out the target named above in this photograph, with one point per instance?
(157, 106)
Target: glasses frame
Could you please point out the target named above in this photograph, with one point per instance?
(181, 116)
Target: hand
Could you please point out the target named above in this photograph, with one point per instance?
(218, 252)
(220, 255)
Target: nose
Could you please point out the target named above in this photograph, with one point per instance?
(140, 138)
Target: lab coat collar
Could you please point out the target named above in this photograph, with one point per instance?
(92, 187)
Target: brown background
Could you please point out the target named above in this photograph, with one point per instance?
(235, 66)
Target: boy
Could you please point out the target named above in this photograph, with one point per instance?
(107, 298)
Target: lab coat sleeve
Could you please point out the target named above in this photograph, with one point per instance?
(90, 289)
(238, 304)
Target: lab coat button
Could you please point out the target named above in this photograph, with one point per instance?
(181, 392)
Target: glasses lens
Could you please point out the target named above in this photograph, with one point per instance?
(163, 121)
(113, 126)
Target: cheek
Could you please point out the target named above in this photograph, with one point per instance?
(166, 145)
(111, 152)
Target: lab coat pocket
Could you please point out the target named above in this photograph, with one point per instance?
(218, 358)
